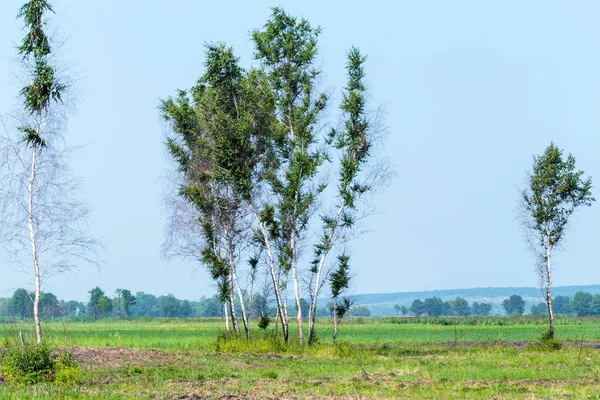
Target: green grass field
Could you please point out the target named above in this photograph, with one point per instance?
(452, 358)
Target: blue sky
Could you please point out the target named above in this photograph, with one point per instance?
(472, 90)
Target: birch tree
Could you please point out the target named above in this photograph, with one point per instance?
(354, 141)
(41, 211)
(287, 48)
(555, 190)
(340, 282)
(216, 147)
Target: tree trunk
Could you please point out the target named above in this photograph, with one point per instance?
(312, 313)
(226, 317)
(280, 308)
(297, 292)
(34, 254)
(234, 321)
(250, 296)
(241, 297)
(547, 295)
(235, 284)
(335, 322)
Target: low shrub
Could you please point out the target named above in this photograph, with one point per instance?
(262, 344)
(25, 364)
(270, 374)
(275, 345)
(546, 343)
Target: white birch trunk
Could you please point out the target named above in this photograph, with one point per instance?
(297, 292)
(234, 321)
(335, 323)
(34, 254)
(312, 313)
(226, 317)
(547, 296)
(250, 295)
(280, 308)
(241, 297)
(235, 284)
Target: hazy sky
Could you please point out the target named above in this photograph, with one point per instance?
(472, 90)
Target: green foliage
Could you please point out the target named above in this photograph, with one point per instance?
(25, 364)
(562, 305)
(286, 48)
(270, 374)
(359, 311)
(460, 307)
(263, 322)
(49, 307)
(230, 343)
(93, 306)
(514, 305)
(539, 309)
(21, 304)
(217, 144)
(481, 309)
(125, 301)
(35, 42)
(247, 141)
(435, 307)
(171, 306)
(105, 305)
(555, 190)
(582, 304)
(45, 86)
(547, 342)
(66, 370)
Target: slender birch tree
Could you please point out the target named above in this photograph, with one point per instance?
(354, 141)
(40, 208)
(339, 281)
(555, 190)
(217, 147)
(287, 48)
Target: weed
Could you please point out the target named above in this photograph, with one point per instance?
(26, 364)
(270, 374)
(546, 343)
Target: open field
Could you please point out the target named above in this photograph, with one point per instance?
(181, 359)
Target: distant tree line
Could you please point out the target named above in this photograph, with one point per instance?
(436, 307)
(125, 305)
(583, 304)
(20, 305)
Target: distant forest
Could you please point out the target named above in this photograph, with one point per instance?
(125, 305)
(571, 300)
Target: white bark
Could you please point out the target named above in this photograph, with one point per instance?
(335, 323)
(234, 321)
(226, 316)
(547, 295)
(297, 291)
(312, 313)
(34, 254)
(241, 297)
(280, 308)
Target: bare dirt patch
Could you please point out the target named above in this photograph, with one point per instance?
(115, 357)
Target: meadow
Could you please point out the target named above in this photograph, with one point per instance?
(374, 358)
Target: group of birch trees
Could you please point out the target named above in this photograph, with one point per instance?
(266, 185)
